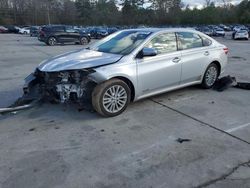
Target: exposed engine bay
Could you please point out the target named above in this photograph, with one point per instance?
(60, 87)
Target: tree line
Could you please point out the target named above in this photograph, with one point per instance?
(122, 12)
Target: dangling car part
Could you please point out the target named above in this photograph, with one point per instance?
(127, 66)
(19, 107)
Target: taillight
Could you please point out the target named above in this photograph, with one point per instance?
(226, 50)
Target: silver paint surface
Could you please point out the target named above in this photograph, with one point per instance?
(79, 59)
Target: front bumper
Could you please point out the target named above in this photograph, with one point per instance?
(42, 39)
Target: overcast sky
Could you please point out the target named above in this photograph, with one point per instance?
(200, 3)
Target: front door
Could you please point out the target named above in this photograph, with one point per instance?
(163, 70)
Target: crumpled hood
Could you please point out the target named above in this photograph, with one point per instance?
(79, 59)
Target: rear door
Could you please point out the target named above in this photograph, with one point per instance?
(60, 34)
(72, 35)
(195, 55)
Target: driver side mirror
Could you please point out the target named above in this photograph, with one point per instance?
(147, 52)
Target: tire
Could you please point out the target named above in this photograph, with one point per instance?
(51, 41)
(104, 92)
(210, 76)
(84, 41)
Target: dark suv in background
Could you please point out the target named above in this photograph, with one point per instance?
(53, 34)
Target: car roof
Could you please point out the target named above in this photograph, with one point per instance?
(155, 30)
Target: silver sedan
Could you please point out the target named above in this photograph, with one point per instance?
(127, 66)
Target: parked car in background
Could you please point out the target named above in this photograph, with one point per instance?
(207, 31)
(112, 30)
(98, 33)
(12, 29)
(3, 29)
(84, 30)
(34, 31)
(24, 30)
(219, 32)
(224, 27)
(130, 65)
(241, 34)
(239, 27)
(53, 34)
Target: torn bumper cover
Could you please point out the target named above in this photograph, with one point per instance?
(60, 87)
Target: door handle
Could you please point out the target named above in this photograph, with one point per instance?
(206, 53)
(176, 60)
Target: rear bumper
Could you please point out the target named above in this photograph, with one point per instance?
(240, 37)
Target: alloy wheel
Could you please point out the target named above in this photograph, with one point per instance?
(84, 40)
(52, 41)
(211, 75)
(114, 99)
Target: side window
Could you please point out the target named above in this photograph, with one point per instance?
(188, 40)
(58, 28)
(206, 41)
(69, 30)
(163, 43)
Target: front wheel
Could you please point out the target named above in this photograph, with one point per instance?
(210, 76)
(111, 98)
(51, 41)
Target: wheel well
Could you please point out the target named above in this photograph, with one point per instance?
(130, 85)
(52, 36)
(218, 64)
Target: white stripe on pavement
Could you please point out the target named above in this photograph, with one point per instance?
(238, 127)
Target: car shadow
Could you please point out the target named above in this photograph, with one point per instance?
(71, 111)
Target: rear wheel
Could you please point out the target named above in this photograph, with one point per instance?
(52, 41)
(83, 40)
(210, 76)
(111, 98)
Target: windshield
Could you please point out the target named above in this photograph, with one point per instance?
(122, 43)
(242, 31)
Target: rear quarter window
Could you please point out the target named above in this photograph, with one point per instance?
(206, 41)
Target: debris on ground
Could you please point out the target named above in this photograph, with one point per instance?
(238, 57)
(227, 82)
(224, 83)
(32, 129)
(181, 140)
(243, 85)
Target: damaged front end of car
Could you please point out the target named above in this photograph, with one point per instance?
(66, 78)
(60, 87)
